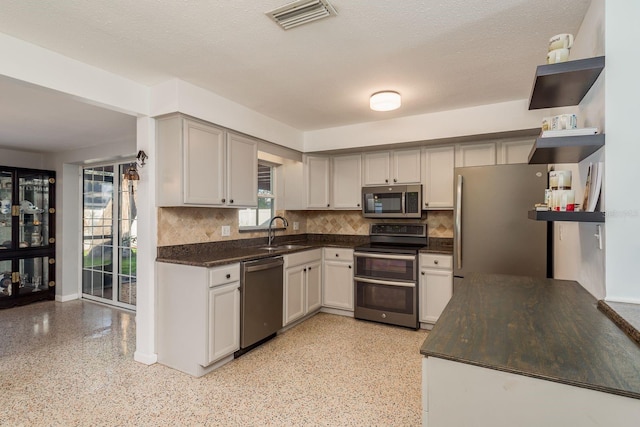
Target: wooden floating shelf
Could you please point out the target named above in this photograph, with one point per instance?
(567, 216)
(564, 83)
(565, 149)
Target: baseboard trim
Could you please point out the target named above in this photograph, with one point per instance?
(337, 311)
(147, 359)
(65, 298)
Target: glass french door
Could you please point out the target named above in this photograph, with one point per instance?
(109, 234)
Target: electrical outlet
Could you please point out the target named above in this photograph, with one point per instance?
(296, 225)
(226, 231)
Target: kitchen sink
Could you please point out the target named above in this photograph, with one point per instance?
(282, 247)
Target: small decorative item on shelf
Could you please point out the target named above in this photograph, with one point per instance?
(5, 206)
(28, 207)
(559, 46)
(568, 132)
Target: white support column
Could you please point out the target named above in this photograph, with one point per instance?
(147, 247)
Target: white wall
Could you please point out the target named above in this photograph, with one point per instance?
(622, 172)
(21, 159)
(177, 95)
(484, 119)
(576, 252)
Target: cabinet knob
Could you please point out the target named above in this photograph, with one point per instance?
(386, 180)
(304, 269)
(328, 205)
(228, 276)
(426, 203)
(395, 180)
(422, 272)
(224, 200)
(435, 262)
(349, 267)
(358, 205)
(337, 255)
(309, 268)
(231, 201)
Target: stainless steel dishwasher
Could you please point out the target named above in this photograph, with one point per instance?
(261, 292)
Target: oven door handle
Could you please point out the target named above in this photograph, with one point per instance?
(384, 256)
(386, 282)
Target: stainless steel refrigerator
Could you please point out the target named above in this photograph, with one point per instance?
(492, 232)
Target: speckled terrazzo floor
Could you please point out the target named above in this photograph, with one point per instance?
(72, 364)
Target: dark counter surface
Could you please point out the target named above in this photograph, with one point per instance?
(542, 328)
(226, 252)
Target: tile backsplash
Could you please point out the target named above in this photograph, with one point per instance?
(184, 225)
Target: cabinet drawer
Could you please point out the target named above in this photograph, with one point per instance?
(338, 254)
(304, 257)
(436, 261)
(225, 274)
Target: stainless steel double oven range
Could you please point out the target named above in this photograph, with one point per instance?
(386, 274)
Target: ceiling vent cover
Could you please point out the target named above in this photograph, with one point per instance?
(301, 12)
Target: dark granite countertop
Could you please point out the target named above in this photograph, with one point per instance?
(542, 328)
(219, 253)
(438, 245)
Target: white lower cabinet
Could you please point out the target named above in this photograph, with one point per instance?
(436, 286)
(338, 279)
(198, 316)
(302, 284)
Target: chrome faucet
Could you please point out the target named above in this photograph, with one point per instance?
(271, 233)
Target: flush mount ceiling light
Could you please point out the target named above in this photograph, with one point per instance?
(301, 12)
(386, 100)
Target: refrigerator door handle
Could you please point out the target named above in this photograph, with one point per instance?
(458, 222)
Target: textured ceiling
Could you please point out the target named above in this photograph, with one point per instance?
(439, 55)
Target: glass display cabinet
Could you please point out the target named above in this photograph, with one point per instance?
(27, 236)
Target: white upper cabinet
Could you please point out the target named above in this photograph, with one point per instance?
(515, 151)
(406, 166)
(476, 154)
(377, 168)
(199, 164)
(317, 176)
(242, 171)
(437, 188)
(347, 181)
(203, 163)
(392, 167)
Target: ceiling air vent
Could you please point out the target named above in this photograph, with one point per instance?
(301, 12)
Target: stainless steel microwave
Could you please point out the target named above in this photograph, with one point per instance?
(392, 201)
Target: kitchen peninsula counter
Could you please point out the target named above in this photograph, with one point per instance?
(541, 328)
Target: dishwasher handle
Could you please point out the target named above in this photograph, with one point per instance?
(262, 264)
